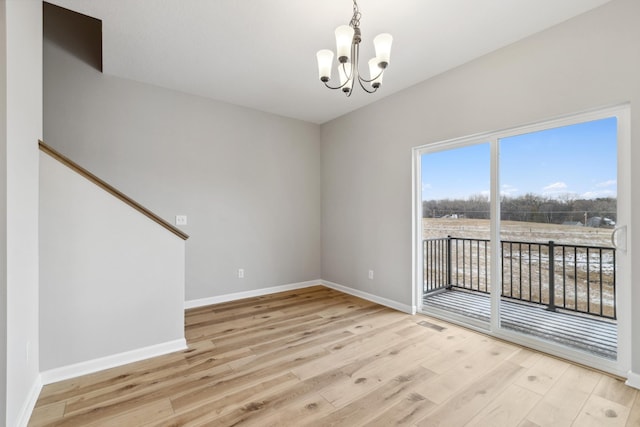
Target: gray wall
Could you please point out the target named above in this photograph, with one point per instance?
(111, 279)
(23, 111)
(248, 181)
(587, 62)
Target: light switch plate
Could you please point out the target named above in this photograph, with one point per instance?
(181, 220)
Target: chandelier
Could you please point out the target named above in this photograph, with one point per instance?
(348, 38)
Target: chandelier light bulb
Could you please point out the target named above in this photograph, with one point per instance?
(344, 39)
(382, 44)
(325, 58)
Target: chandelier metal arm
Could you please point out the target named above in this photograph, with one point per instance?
(355, 55)
(364, 87)
(335, 87)
(344, 67)
(370, 80)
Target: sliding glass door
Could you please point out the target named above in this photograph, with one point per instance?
(522, 233)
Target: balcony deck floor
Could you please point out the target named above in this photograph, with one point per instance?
(585, 333)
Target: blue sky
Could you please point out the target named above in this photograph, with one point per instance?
(578, 160)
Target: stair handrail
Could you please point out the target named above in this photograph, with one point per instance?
(110, 189)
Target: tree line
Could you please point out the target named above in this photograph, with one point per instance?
(528, 208)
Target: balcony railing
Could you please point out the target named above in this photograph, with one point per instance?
(559, 276)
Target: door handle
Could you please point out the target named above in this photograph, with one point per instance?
(614, 240)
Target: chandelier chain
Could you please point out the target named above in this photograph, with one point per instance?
(355, 19)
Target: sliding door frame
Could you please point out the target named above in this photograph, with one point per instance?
(620, 366)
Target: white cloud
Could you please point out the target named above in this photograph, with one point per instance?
(426, 188)
(508, 190)
(555, 187)
(597, 194)
(609, 183)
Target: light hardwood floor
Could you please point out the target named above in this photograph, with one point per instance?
(322, 358)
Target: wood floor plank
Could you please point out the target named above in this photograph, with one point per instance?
(108, 378)
(634, 415)
(151, 388)
(157, 410)
(367, 377)
(598, 411)
(547, 413)
(352, 349)
(508, 409)
(249, 378)
(147, 381)
(297, 413)
(462, 407)
(543, 375)
(525, 357)
(269, 333)
(363, 410)
(256, 409)
(316, 356)
(463, 368)
(615, 390)
(45, 414)
(202, 409)
(567, 396)
(465, 354)
(411, 408)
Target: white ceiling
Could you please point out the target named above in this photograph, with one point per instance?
(261, 53)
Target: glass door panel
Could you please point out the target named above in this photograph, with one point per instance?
(558, 208)
(455, 233)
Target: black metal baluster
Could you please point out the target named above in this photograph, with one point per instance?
(478, 261)
(600, 254)
(486, 269)
(510, 269)
(588, 285)
(552, 288)
(502, 267)
(425, 266)
(540, 273)
(449, 283)
(529, 277)
(564, 277)
(520, 269)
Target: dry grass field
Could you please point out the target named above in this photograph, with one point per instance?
(518, 231)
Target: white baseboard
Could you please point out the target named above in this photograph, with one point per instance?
(633, 380)
(30, 403)
(95, 365)
(370, 297)
(248, 294)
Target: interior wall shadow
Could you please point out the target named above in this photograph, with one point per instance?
(79, 34)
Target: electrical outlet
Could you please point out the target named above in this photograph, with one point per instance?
(241, 273)
(181, 220)
(371, 274)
